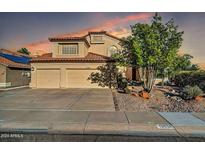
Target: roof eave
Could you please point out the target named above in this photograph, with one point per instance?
(69, 39)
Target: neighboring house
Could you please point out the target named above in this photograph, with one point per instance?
(14, 69)
(72, 60)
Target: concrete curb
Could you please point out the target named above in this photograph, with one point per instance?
(13, 88)
(149, 124)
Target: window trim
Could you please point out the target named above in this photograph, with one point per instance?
(61, 48)
(92, 41)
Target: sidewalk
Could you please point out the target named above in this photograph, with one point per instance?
(103, 123)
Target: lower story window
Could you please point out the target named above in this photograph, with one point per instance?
(70, 49)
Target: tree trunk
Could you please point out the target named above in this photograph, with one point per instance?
(163, 80)
(148, 75)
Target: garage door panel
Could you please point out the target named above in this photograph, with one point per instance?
(79, 79)
(48, 78)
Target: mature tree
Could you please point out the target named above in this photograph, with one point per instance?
(127, 56)
(24, 51)
(194, 67)
(181, 63)
(154, 47)
(106, 76)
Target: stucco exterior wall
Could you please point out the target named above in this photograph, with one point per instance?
(65, 75)
(82, 49)
(99, 48)
(16, 77)
(102, 48)
(2, 75)
(63, 67)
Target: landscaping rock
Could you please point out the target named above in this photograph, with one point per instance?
(158, 102)
(198, 98)
(144, 95)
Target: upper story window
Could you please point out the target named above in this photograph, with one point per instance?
(112, 50)
(69, 48)
(97, 39)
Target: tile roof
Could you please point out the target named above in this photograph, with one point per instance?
(12, 64)
(46, 55)
(90, 58)
(81, 38)
(104, 32)
(56, 39)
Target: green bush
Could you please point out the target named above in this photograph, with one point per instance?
(190, 92)
(191, 78)
(121, 81)
(202, 86)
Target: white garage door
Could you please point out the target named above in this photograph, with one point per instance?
(78, 79)
(48, 78)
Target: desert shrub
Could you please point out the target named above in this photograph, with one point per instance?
(121, 81)
(191, 78)
(190, 92)
(122, 84)
(106, 76)
(202, 86)
(184, 78)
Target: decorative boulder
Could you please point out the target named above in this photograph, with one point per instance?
(198, 98)
(144, 94)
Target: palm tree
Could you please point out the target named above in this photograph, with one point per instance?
(24, 51)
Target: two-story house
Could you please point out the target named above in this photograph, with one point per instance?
(72, 60)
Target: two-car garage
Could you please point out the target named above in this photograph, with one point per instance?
(64, 78)
(48, 72)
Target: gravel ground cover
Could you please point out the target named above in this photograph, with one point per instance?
(157, 102)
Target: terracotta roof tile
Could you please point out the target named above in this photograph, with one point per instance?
(10, 63)
(81, 38)
(46, 55)
(104, 32)
(90, 57)
(56, 39)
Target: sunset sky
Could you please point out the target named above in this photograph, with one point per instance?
(31, 30)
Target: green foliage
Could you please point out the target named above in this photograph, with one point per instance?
(181, 62)
(126, 57)
(24, 51)
(192, 78)
(190, 92)
(121, 82)
(202, 86)
(106, 76)
(193, 67)
(153, 47)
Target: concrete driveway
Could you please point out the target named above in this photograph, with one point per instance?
(57, 99)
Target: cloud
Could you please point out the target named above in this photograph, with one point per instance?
(39, 48)
(113, 26)
(120, 32)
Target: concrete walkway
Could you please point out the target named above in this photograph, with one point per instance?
(115, 123)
